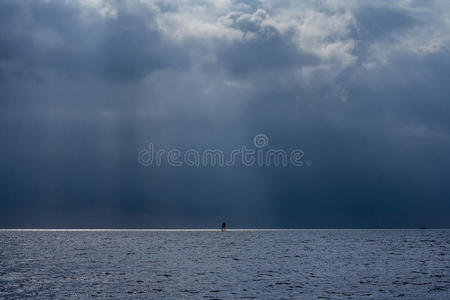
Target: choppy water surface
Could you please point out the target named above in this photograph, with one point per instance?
(329, 264)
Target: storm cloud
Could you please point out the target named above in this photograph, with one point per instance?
(361, 88)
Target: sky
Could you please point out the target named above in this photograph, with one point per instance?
(361, 87)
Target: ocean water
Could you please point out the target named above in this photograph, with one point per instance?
(292, 264)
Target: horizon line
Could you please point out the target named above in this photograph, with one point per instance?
(188, 229)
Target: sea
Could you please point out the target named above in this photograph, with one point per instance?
(235, 264)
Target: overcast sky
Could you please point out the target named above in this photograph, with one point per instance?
(362, 87)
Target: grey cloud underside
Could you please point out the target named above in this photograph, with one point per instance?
(267, 50)
(377, 22)
(363, 90)
(54, 36)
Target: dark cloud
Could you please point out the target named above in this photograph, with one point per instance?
(262, 49)
(63, 37)
(379, 22)
(362, 90)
